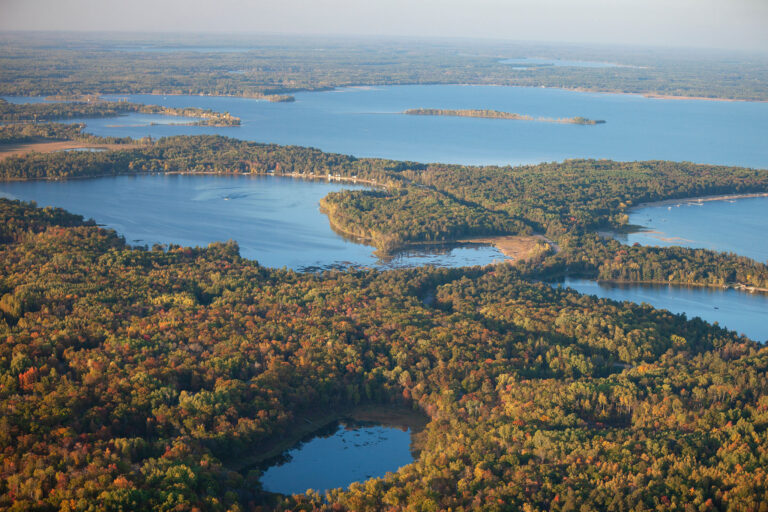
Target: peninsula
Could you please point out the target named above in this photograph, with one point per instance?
(497, 114)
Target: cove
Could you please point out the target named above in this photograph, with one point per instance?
(369, 122)
(734, 225)
(275, 220)
(739, 311)
(365, 443)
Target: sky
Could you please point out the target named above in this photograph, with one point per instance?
(730, 24)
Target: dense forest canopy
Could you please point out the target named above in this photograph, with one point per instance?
(137, 379)
(34, 112)
(130, 377)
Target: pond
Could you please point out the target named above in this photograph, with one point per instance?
(368, 121)
(367, 443)
(275, 220)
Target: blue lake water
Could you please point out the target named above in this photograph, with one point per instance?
(735, 225)
(275, 220)
(367, 122)
(349, 453)
(742, 312)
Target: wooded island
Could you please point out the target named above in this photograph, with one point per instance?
(496, 114)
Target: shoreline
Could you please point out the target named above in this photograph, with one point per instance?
(648, 95)
(499, 115)
(314, 420)
(699, 199)
(740, 287)
(264, 97)
(654, 96)
(310, 177)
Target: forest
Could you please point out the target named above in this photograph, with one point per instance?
(134, 378)
(11, 133)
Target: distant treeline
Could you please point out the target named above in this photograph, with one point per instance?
(496, 114)
(55, 64)
(32, 132)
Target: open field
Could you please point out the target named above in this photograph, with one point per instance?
(18, 149)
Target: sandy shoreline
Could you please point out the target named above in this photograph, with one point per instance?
(517, 248)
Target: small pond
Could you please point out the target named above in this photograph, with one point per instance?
(366, 443)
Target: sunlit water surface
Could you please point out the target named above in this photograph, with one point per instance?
(368, 121)
(344, 453)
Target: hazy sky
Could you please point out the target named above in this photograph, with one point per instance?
(700, 23)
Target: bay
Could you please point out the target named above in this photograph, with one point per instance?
(275, 220)
(734, 225)
(739, 311)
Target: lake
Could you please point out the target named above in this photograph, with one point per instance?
(275, 220)
(344, 452)
(735, 225)
(739, 311)
(367, 121)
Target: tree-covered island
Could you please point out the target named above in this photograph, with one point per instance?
(496, 114)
